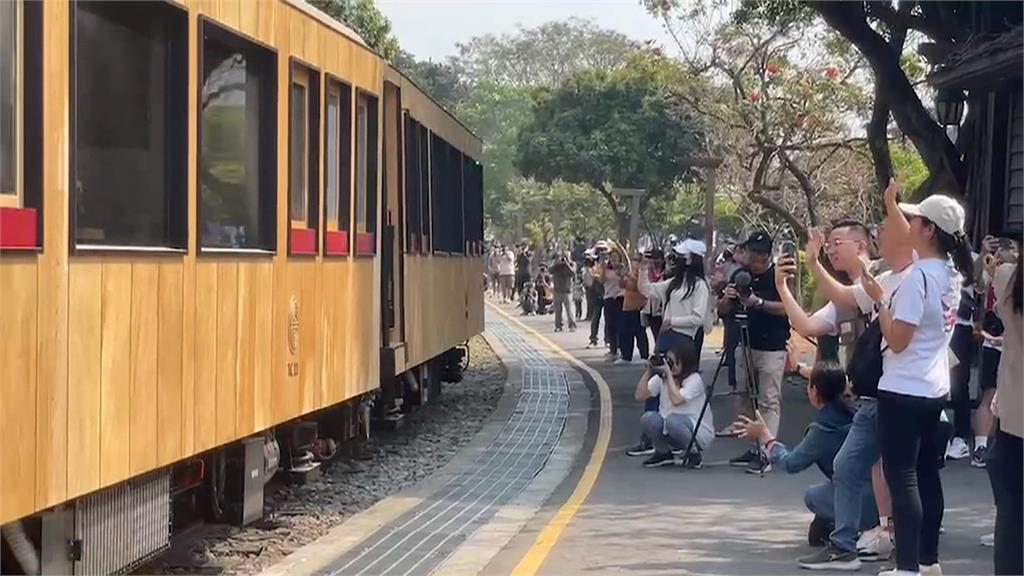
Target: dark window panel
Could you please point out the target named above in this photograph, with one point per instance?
(130, 124)
(237, 143)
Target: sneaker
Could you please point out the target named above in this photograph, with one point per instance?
(744, 460)
(877, 548)
(988, 540)
(957, 449)
(930, 569)
(818, 531)
(621, 361)
(978, 457)
(867, 537)
(640, 450)
(831, 558)
(572, 328)
(558, 328)
(759, 466)
(694, 460)
(657, 460)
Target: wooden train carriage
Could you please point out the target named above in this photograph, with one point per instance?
(205, 231)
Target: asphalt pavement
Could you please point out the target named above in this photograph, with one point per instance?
(718, 519)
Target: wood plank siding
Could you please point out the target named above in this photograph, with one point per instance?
(115, 363)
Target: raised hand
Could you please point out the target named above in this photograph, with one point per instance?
(871, 286)
(815, 240)
(892, 192)
(785, 269)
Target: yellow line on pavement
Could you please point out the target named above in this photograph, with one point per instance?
(538, 552)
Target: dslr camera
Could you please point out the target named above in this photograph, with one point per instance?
(657, 362)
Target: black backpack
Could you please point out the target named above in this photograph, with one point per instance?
(864, 368)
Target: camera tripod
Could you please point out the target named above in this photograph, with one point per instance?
(753, 386)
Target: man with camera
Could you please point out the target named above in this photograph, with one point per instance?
(562, 276)
(754, 301)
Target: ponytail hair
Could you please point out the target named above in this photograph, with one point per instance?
(958, 248)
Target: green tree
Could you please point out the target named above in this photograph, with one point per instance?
(363, 17)
(545, 55)
(611, 129)
(496, 113)
(442, 81)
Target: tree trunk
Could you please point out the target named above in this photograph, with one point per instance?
(878, 127)
(940, 155)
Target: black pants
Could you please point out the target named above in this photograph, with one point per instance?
(908, 433)
(732, 340)
(698, 342)
(579, 308)
(655, 327)
(612, 320)
(1006, 473)
(594, 314)
(631, 331)
(963, 345)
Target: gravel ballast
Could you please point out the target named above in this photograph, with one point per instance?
(429, 437)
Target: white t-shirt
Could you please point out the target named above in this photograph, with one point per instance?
(692, 390)
(928, 299)
(506, 264)
(888, 280)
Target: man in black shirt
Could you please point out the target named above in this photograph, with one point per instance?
(769, 333)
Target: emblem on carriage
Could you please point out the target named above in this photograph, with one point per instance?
(293, 325)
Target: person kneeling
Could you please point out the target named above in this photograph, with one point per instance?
(673, 378)
(824, 437)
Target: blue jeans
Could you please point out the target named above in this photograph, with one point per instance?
(675, 431)
(852, 477)
(821, 500)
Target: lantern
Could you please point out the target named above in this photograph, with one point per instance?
(949, 106)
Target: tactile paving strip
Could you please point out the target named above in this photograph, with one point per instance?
(420, 540)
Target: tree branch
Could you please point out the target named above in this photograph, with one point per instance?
(939, 154)
(808, 188)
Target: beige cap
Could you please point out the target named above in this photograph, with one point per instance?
(944, 211)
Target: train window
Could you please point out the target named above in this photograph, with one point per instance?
(338, 167)
(303, 155)
(412, 184)
(237, 143)
(425, 209)
(299, 176)
(130, 135)
(10, 102)
(366, 173)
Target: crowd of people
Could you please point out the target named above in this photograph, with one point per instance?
(909, 313)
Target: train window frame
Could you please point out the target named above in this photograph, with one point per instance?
(304, 227)
(265, 57)
(338, 227)
(426, 206)
(21, 211)
(412, 167)
(173, 206)
(10, 195)
(365, 224)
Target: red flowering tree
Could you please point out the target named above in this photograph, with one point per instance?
(788, 101)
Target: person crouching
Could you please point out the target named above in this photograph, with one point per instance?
(825, 435)
(673, 378)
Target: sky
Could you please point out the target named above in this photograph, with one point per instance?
(429, 29)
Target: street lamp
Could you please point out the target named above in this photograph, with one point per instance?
(949, 106)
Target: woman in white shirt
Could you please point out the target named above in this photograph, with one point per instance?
(680, 392)
(917, 326)
(686, 298)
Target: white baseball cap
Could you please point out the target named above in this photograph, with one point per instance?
(944, 211)
(694, 246)
(690, 246)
